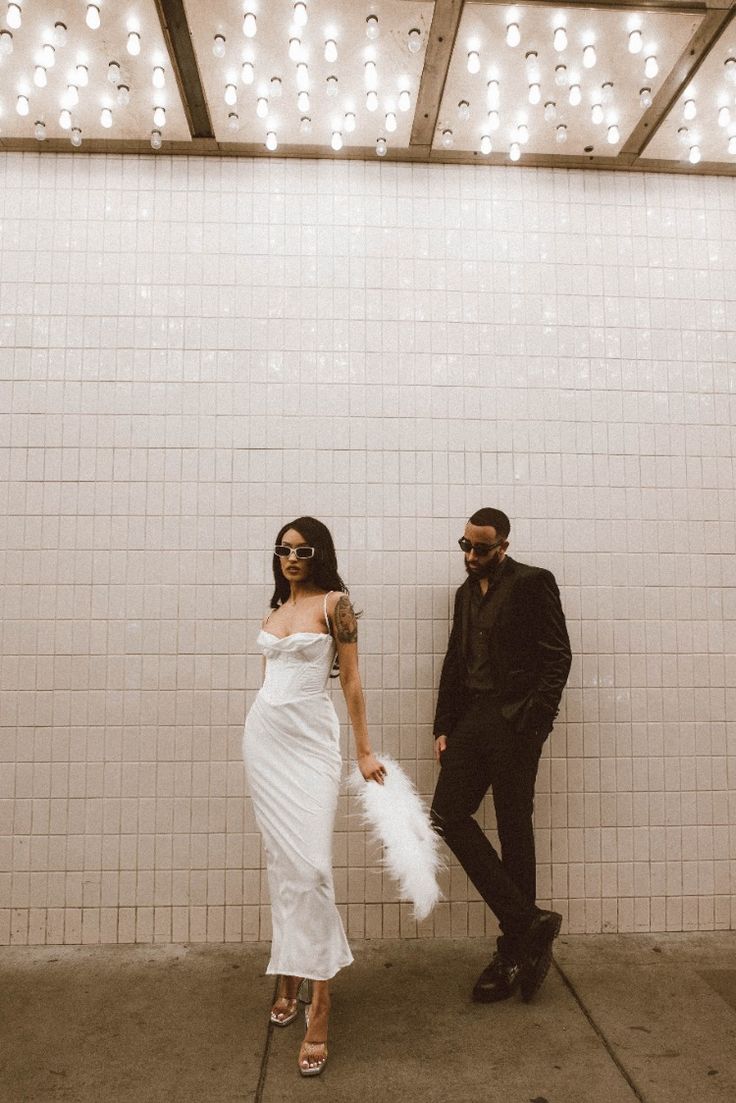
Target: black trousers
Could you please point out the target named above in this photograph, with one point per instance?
(483, 751)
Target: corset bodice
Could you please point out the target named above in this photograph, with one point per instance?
(297, 666)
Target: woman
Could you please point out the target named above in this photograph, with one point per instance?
(291, 749)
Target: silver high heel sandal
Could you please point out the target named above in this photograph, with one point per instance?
(312, 1051)
(292, 1005)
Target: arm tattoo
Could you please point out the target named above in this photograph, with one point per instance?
(346, 627)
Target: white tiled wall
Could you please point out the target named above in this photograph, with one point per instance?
(193, 351)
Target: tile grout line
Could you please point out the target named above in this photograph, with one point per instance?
(606, 1045)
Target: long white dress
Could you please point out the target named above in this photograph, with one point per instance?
(291, 750)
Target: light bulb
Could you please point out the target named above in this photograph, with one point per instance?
(724, 116)
(159, 117)
(48, 55)
(535, 93)
(683, 134)
(560, 75)
(390, 122)
(158, 77)
(247, 73)
(275, 87)
(39, 77)
(123, 95)
(92, 17)
(732, 144)
(106, 117)
(349, 121)
(14, 17)
(531, 60)
(689, 109)
(473, 61)
(113, 72)
(607, 91)
(305, 124)
(589, 56)
(250, 25)
(6, 42)
(231, 95)
(561, 134)
(370, 72)
(371, 100)
(493, 94)
(301, 14)
(381, 147)
(694, 155)
(371, 26)
(414, 40)
(513, 34)
(60, 34)
(271, 140)
(596, 113)
(134, 43)
(550, 111)
(39, 131)
(463, 110)
(302, 76)
(651, 67)
(575, 95)
(302, 101)
(233, 121)
(295, 48)
(76, 137)
(22, 105)
(331, 84)
(218, 45)
(559, 39)
(447, 139)
(514, 151)
(82, 75)
(404, 99)
(729, 66)
(330, 50)
(486, 145)
(155, 139)
(494, 120)
(261, 107)
(336, 142)
(645, 97)
(65, 119)
(635, 41)
(71, 96)
(522, 133)
(612, 134)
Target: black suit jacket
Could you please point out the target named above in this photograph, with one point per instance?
(529, 651)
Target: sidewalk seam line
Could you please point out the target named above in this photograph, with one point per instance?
(261, 1085)
(606, 1045)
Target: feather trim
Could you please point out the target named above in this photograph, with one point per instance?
(396, 817)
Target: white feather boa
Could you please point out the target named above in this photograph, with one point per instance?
(395, 817)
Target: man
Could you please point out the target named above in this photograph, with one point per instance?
(506, 666)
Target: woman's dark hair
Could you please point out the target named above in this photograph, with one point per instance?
(324, 562)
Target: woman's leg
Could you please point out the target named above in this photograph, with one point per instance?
(313, 1052)
(285, 1005)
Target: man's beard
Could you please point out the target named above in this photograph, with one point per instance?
(489, 571)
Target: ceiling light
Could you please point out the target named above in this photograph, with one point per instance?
(113, 72)
(134, 43)
(302, 101)
(40, 78)
(596, 114)
(535, 93)
(560, 75)
(6, 42)
(158, 77)
(76, 137)
(71, 96)
(589, 56)
(106, 117)
(732, 144)
(336, 141)
(123, 95)
(514, 151)
(493, 94)
(275, 86)
(447, 139)
(486, 145)
(689, 109)
(14, 17)
(635, 41)
(414, 40)
(494, 120)
(404, 99)
(371, 26)
(305, 124)
(48, 55)
(463, 110)
(694, 155)
(331, 83)
(522, 133)
(92, 17)
(39, 131)
(612, 134)
(65, 119)
(60, 34)
(390, 122)
(381, 147)
(250, 25)
(272, 141)
(370, 72)
(233, 121)
(683, 134)
(473, 61)
(82, 75)
(559, 39)
(371, 100)
(513, 34)
(607, 91)
(561, 134)
(261, 107)
(302, 76)
(301, 14)
(349, 121)
(231, 95)
(651, 67)
(730, 67)
(645, 97)
(155, 139)
(159, 117)
(295, 48)
(22, 106)
(575, 95)
(218, 45)
(247, 73)
(531, 60)
(724, 116)
(550, 111)
(330, 51)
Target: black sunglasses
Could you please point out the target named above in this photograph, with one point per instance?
(479, 549)
(283, 551)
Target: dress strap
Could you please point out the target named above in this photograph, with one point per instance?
(324, 610)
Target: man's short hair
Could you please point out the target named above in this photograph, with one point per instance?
(493, 517)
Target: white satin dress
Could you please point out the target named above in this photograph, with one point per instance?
(291, 750)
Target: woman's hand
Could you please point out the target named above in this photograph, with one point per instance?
(371, 768)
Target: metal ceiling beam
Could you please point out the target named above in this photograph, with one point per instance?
(442, 35)
(178, 37)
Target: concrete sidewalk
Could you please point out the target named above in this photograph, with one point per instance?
(620, 1018)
